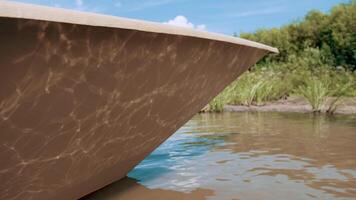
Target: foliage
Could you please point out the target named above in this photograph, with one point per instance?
(334, 34)
(316, 92)
(216, 105)
(333, 85)
(321, 85)
(317, 60)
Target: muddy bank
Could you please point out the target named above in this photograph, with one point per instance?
(294, 104)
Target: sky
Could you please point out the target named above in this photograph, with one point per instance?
(220, 16)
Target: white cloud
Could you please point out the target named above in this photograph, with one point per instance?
(79, 2)
(182, 21)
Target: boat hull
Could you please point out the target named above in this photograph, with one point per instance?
(81, 105)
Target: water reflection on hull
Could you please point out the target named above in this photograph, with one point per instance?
(85, 97)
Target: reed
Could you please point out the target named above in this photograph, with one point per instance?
(316, 92)
(323, 87)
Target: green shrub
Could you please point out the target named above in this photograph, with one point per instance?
(316, 60)
(315, 91)
(216, 105)
(330, 84)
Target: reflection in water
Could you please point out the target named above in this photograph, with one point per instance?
(255, 156)
(129, 189)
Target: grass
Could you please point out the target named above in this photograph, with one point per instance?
(322, 86)
(253, 88)
(316, 92)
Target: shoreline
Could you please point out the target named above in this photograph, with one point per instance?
(293, 104)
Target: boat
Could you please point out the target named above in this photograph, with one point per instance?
(85, 97)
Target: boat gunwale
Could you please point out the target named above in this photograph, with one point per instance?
(60, 15)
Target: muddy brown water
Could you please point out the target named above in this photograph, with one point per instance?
(248, 156)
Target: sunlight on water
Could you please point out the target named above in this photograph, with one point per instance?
(257, 156)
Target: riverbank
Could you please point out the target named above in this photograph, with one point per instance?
(315, 62)
(294, 104)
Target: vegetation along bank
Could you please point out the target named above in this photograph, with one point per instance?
(316, 65)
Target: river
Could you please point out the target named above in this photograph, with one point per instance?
(248, 156)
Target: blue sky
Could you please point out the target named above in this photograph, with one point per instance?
(221, 16)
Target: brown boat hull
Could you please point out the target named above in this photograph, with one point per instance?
(81, 105)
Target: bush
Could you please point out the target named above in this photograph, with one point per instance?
(317, 59)
(315, 91)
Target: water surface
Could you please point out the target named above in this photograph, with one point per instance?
(249, 156)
